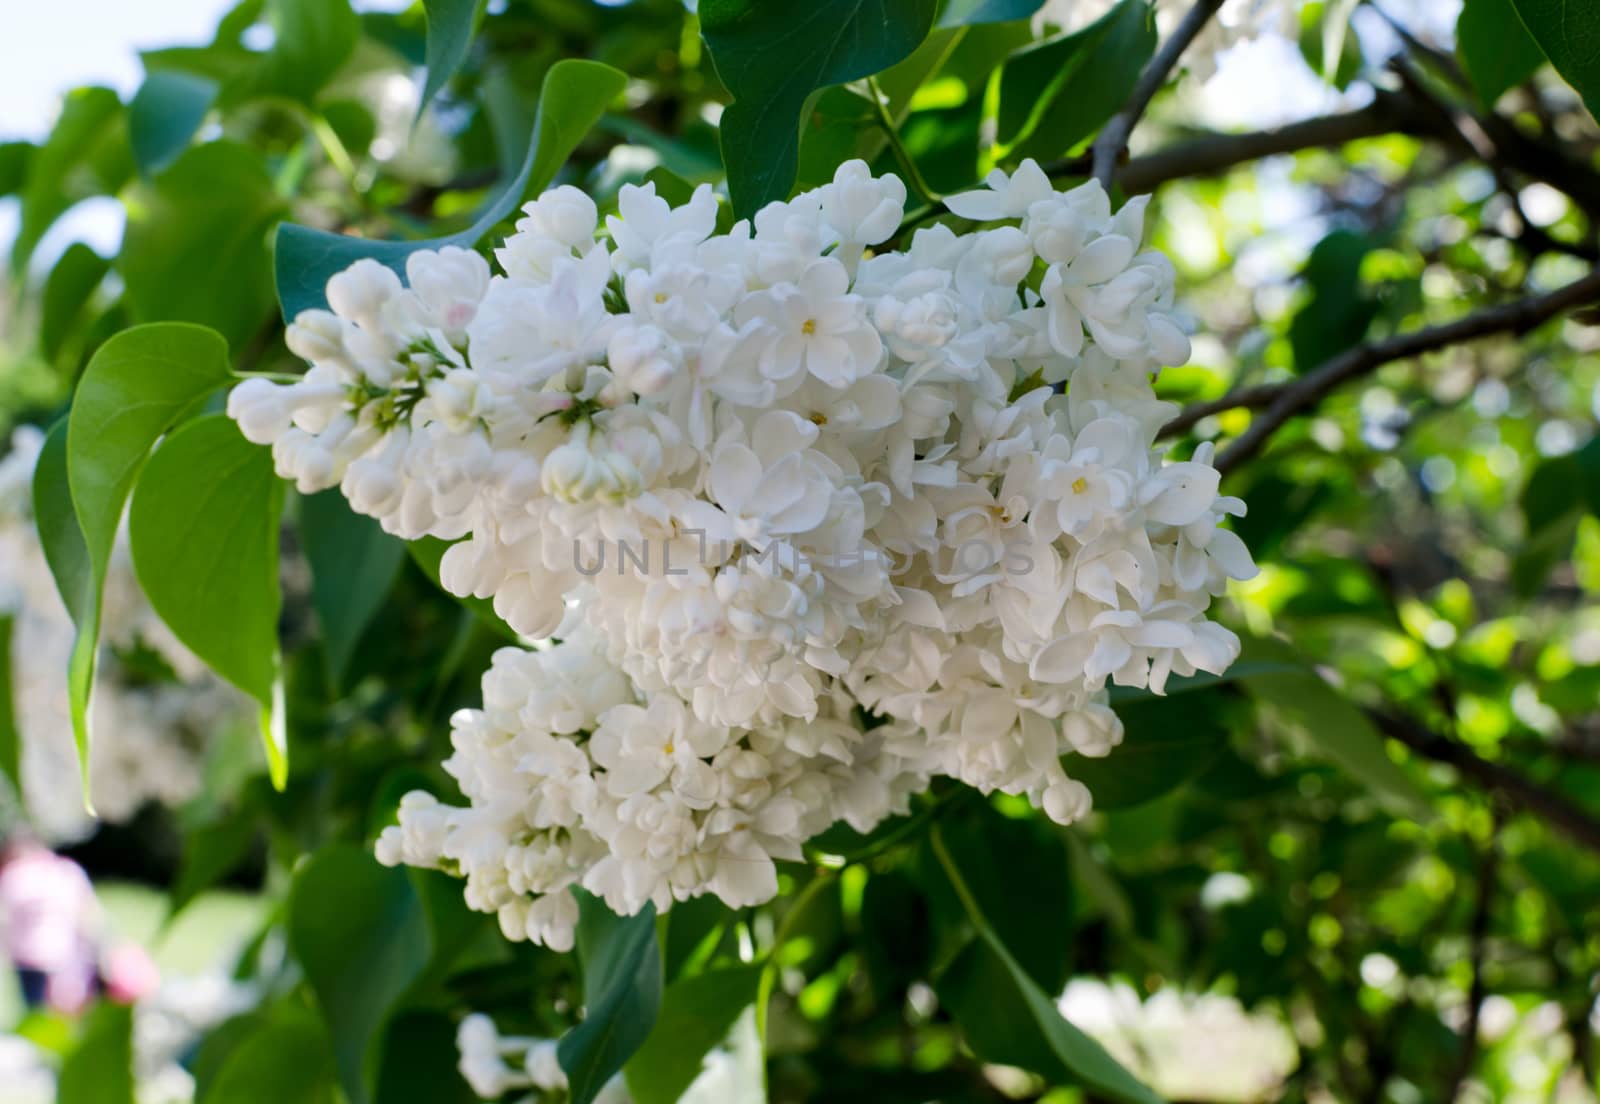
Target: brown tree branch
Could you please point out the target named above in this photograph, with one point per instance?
(1113, 137)
(1520, 792)
(1304, 392)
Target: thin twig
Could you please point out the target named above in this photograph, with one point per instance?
(1113, 138)
(1477, 991)
(891, 134)
(1306, 391)
(1521, 792)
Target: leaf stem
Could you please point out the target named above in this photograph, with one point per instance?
(964, 893)
(903, 155)
(769, 968)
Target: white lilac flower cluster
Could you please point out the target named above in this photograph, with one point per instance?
(811, 522)
(151, 733)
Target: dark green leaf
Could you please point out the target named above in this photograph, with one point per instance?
(64, 549)
(1568, 31)
(165, 114)
(621, 994)
(961, 13)
(419, 1062)
(694, 928)
(449, 36)
(696, 1015)
(1337, 315)
(353, 566)
(772, 57)
(1029, 915)
(139, 384)
(1166, 742)
(204, 530)
(1495, 48)
(426, 552)
(10, 741)
(1007, 1018)
(87, 154)
(71, 284)
(196, 246)
(282, 1057)
(359, 933)
(100, 1070)
(576, 93)
(1060, 91)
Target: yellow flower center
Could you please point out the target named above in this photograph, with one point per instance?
(819, 418)
(1079, 485)
(670, 748)
(808, 327)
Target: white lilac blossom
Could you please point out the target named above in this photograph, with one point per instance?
(157, 708)
(805, 524)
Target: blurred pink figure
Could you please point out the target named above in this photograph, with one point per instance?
(129, 974)
(48, 920)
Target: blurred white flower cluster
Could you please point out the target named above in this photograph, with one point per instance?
(764, 485)
(494, 1065)
(152, 727)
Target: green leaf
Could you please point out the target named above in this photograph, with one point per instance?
(209, 853)
(359, 933)
(100, 1070)
(1166, 742)
(196, 246)
(312, 39)
(71, 284)
(576, 93)
(1007, 1018)
(773, 57)
(450, 25)
(1323, 35)
(10, 739)
(621, 994)
(1495, 48)
(963, 13)
(426, 552)
(283, 1057)
(419, 1061)
(65, 552)
(696, 1015)
(204, 530)
(1568, 31)
(1333, 728)
(15, 159)
(139, 384)
(1339, 312)
(353, 566)
(1058, 92)
(87, 154)
(1030, 916)
(165, 114)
